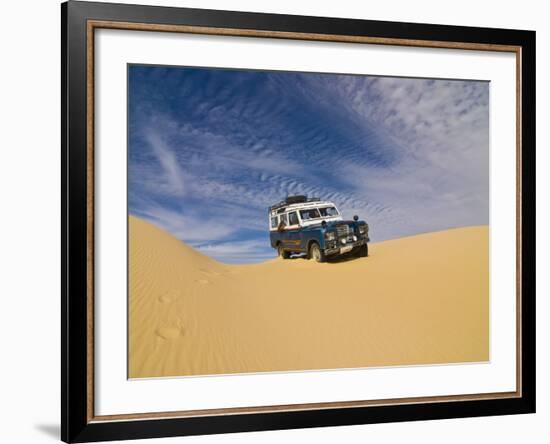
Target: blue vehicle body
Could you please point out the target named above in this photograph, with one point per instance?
(320, 236)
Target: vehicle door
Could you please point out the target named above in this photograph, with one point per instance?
(293, 232)
(282, 228)
(274, 235)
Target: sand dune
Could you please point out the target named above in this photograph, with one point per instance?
(416, 300)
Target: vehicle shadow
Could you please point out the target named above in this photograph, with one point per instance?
(344, 258)
(338, 259)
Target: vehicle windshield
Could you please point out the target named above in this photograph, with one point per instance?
(312, 213)
(328, 211)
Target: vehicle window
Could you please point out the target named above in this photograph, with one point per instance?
(293, 218)
(274, 222)
(309, 214)
(328, 211)
(283, 219)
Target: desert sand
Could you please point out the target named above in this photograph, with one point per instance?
(415, 300)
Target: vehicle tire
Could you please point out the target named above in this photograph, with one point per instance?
(363, 250)
(282, 253)
(316, 253)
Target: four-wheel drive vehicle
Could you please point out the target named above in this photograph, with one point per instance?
(315, 227)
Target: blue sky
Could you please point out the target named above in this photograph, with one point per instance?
(211, 149)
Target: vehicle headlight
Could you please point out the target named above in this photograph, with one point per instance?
(343, 241)
(330, 235)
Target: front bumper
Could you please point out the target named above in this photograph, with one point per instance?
(345, 248)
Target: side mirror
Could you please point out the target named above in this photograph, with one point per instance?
(356, 218)
(324, 224)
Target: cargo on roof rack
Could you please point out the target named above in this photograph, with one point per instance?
(296, 199)
(291, 200)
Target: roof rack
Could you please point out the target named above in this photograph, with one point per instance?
(291, 200)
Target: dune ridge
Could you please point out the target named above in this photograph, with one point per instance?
(417, 300)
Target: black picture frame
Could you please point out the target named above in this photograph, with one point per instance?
(76, 326)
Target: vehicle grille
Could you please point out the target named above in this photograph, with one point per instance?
(342, 230)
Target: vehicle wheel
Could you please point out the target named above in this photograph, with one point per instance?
(316, 253)
(363, 250)
(282, 253)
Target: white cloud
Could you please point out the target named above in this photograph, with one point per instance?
(439, 131)
(171, 176)
(191, 229)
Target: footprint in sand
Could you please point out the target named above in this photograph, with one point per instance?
(165, 299)
(211, 272)
(169, 332)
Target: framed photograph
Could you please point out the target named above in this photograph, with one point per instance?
(276, 221)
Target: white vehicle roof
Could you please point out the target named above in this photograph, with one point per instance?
(302, 206)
